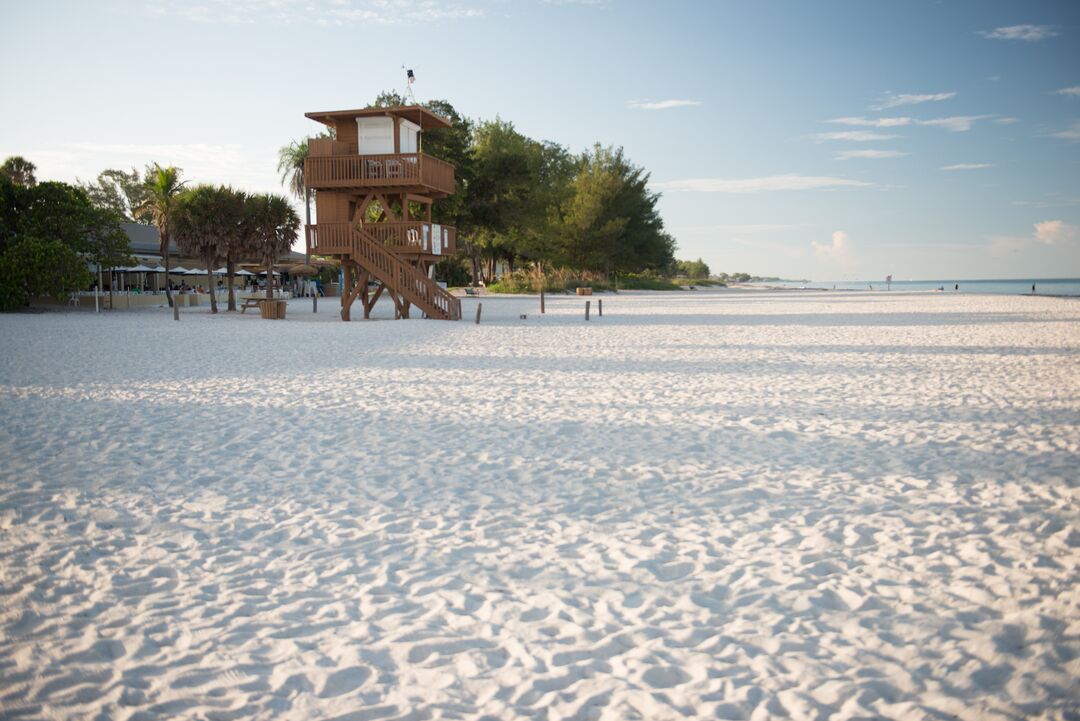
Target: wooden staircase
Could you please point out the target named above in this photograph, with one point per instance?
(402, 278)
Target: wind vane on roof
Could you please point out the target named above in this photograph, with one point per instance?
(410, 78)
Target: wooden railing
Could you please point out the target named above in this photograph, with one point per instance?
(412, 236)
(374, 171)
(396, 274)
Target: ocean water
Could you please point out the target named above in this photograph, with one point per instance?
(1043, 286)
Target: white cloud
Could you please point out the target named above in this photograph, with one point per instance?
(1049, 232)
(661, 104)
(869, 154)
(1074, 91)
(1072, 133)
(1053, 201)
(1046, 233)
(893, 100)
(1006, 121)
(838, 249)
(966, 166)
(317, 12)
(750, 228)
(874, 122)
(957, 123)
(1028, 33)
(756, 185)
(858, 136)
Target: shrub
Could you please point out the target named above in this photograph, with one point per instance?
(32, 267)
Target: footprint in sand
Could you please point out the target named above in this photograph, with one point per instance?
(344, 681)
(665, 677)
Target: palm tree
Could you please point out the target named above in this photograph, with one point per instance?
(163, 188)
(208, 224)
(236, 241)
(291, 159)
(20, 170)
(273, 225)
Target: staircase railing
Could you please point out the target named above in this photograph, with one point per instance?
(404, 278)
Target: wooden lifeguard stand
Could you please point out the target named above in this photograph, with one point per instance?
(376, 157)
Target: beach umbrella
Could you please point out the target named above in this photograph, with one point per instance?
(244, 272)
(178, 270)
(157, 269)
(302, 269)
(195, 271)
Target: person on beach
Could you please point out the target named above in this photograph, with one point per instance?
(1033, 289)
(957, 287)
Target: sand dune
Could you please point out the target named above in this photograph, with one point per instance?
(707, 505)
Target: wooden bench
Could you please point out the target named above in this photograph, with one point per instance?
(250, 303)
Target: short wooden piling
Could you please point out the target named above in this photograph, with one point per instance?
(587, 304)
(479, 307)
(315, 302)
(541, 300)
(175, 311)
(600, 307)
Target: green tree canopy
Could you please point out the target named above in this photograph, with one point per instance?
(32, 267)
(693, 269)
(121, 192)
(19, 170)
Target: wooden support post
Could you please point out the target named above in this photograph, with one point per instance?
(479, 307)
(600, 307)
(541, 300)
(176, 311)
(315, 300)
(587, 304)
(347, 291)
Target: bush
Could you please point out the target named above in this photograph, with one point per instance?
(32, 267)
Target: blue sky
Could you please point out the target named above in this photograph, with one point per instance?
(827, 140)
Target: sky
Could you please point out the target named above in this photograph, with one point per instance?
(827, 140)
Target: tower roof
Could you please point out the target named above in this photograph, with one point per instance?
(413, 113)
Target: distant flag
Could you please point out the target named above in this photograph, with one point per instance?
(410, 78)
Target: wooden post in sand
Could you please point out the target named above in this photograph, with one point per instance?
(479, 307)
(175, 311)
(587, 304)
(541, 300)
(600, 307)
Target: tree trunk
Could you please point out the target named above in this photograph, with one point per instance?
(307, 209)
(210, 283)
(168, 286)
(230, 266)
(269, 278)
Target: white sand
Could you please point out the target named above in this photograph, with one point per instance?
(703, 505)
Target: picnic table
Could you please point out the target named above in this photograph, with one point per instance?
(250, 303)
(270, 308)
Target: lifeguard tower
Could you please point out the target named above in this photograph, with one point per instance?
(376, 156)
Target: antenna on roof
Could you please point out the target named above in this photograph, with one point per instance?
(409, 80)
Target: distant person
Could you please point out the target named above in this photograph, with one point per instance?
(957, 287)
(1033, 289)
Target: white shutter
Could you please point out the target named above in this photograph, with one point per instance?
(375, 135)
